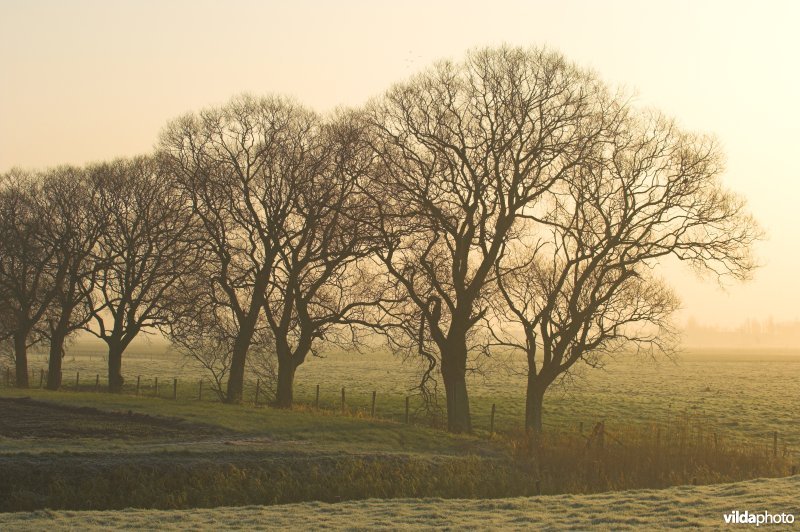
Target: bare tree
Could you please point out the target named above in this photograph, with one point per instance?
(146, 245)
(29, 275)
(233, 164)
(467, 149)
(325, 284)
(207, 336)
(72, 227)
(580, 285)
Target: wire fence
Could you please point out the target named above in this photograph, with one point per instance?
(407, 409)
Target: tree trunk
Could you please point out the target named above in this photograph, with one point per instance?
(458, 416)
(454, 364)
(115, 379)
(56, 358)
(238, 358)
(21, 359)
(534, 401)
(286, 370)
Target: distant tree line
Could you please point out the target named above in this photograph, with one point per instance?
(751, 333)
(507, 202)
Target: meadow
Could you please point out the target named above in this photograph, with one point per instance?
(703, 418)
(744, 395)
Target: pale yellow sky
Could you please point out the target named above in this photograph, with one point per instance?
(83, 81)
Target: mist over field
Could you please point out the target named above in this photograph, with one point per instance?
(745, 394)
(768, 334)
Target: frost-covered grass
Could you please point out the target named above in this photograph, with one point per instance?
(54, 455)
(708, 417)
(738, 394)
(303, 428)
(684, 506)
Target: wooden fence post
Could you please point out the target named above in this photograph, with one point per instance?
(258, 390)
(407, 409)
(174, 389)
(491, 423)
(775, 443)
(343, 404)
(97, 383)
(538, 487)
(316, 398)
(77, 379)
(372, 409)
(156, 386)
(138, 381)
(200, 392)
(580, 428)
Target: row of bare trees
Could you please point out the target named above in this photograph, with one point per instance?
(505, 203)
(99, 249)
(288, 237)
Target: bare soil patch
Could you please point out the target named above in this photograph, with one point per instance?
(26, 418)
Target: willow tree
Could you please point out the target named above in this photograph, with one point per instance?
(580, 283)
(467, 149)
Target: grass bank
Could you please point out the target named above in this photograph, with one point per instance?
(116, 454)
(702, 507)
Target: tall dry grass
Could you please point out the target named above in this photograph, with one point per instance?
(628, 458)
(643, 456)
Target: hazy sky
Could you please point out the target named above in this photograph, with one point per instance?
(83, 81)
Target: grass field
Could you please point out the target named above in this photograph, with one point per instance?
(267, 428)
(686, 506)
(84, 451)
(705, 418)
(747, 395)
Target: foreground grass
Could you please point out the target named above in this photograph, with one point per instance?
(186, 480)
(240, 454)
(173, 480)
(686, 506)
(745, 394)
(319, 430)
